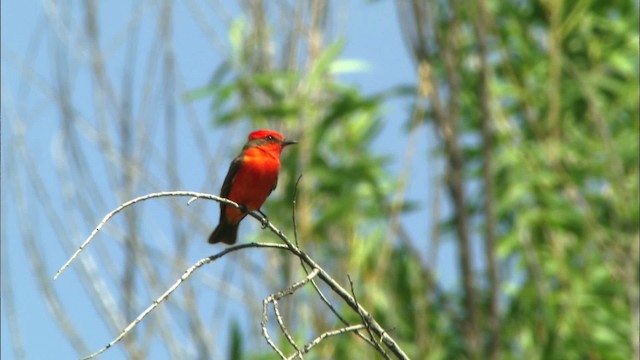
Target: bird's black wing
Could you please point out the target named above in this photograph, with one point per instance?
(275, 183)
(228, 180)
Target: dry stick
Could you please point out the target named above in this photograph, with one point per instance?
(304, 267)
(327, 334)
(273, 298)
(293, 217)
(288, 336)
(268, 338)
(339, 290)
(365, 321)
(131, 202)
(175, 285)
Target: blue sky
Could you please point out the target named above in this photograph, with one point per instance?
(28, 37)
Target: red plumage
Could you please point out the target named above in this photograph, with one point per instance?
(252, 176)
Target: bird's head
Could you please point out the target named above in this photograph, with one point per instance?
(269, 139)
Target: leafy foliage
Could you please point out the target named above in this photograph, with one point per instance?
(564, 104)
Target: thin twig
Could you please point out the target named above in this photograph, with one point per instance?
(365, 321)
(286, 333)
(265, 333)
(293, 216)
(273, 298)
(317, 270)
(304, 267)
(131, 202)
(175, 285)
(327, 334)
(342, 293)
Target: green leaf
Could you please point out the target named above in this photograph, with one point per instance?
(348, 66)
(236, 38)
(321, 67)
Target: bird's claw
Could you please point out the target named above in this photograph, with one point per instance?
(265, 220)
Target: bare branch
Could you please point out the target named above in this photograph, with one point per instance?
(327, 334)
(175, 285)
(136, 200)
(365, 321)
(273, 298)
(317, 271)
(344, 294)
(304, 267)
(286, 333)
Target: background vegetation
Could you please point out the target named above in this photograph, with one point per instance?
(535, 109)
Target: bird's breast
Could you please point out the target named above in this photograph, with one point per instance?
(255, 180)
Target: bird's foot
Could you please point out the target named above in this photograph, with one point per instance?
(265, 220)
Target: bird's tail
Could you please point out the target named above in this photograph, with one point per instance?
(225, 233)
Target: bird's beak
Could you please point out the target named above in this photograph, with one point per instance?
(289, 142)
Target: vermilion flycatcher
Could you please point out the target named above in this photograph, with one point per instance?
(251, 178)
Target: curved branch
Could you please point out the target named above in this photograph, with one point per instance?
(273, 298)
(371, 324)
(177, 283)
(194, 195)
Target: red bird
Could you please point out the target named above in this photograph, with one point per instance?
(251, 178)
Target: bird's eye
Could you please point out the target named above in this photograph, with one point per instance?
(270, 137)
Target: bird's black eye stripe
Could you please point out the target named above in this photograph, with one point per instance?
(270, 137)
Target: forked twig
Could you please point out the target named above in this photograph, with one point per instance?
(325, 335)
(365, 321)
(175, 285)
(344, 295)
(192, 194)
(370, 323)
(273, 298)
(304, 267)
